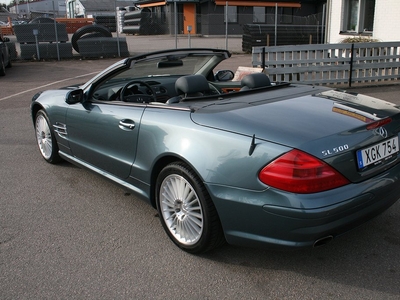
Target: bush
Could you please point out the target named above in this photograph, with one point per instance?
(359, 39)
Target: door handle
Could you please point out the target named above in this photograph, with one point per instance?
(126, 124)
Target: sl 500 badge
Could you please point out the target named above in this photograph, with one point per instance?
(335, 150)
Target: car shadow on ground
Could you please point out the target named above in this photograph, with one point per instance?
(367, 257)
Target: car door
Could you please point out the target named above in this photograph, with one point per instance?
(104, 134)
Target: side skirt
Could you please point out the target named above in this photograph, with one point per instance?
(138, 192)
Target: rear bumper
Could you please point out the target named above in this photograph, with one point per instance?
(257, 219)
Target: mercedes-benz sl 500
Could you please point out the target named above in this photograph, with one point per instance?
(249, 162)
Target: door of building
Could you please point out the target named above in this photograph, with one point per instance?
(189, 17)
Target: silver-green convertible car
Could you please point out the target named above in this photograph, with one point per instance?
(250, 162)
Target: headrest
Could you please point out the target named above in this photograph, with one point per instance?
(255, 80)
(191, 84)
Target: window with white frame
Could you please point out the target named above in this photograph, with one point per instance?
(231, 14)
(358, 15)
(258, 14)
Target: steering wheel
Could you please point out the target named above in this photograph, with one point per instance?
(137, 97)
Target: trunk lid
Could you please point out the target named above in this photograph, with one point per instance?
(329, 124)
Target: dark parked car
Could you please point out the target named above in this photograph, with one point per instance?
(250, 162)
(5, 59)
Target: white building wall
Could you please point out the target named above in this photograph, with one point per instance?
(334, 16)
(78, 9)
(386, 21)
(23, 9)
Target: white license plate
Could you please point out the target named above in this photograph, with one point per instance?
(378, 152)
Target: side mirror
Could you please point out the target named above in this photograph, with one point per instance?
(224, 75)
(74, 96)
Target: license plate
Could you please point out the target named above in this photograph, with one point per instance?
(378, 153)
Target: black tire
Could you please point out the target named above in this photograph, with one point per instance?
(92, 35)
(2, 66)
(89, 29)
(45, 138)
(186, 210)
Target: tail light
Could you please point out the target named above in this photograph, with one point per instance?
(299, 172)
(379, 123)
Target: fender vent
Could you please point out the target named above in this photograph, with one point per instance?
(60, 129)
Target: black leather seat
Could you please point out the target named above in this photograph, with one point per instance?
(190, 86)
(255, 80)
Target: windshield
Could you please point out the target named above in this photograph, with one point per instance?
(158, 72)
(167, 66)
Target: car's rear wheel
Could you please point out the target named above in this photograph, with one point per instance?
(187, 213)
(45, 138)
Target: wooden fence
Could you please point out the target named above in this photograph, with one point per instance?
(330, 64)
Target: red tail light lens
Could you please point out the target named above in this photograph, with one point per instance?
(379, 123)
(299, 172)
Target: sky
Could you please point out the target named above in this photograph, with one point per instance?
(5, 1)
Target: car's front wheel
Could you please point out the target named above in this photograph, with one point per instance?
(45, 138)
(187, 213)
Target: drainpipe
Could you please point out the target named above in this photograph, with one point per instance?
(176, 24)
(276, 22)
(226, 26)
(328, 21)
